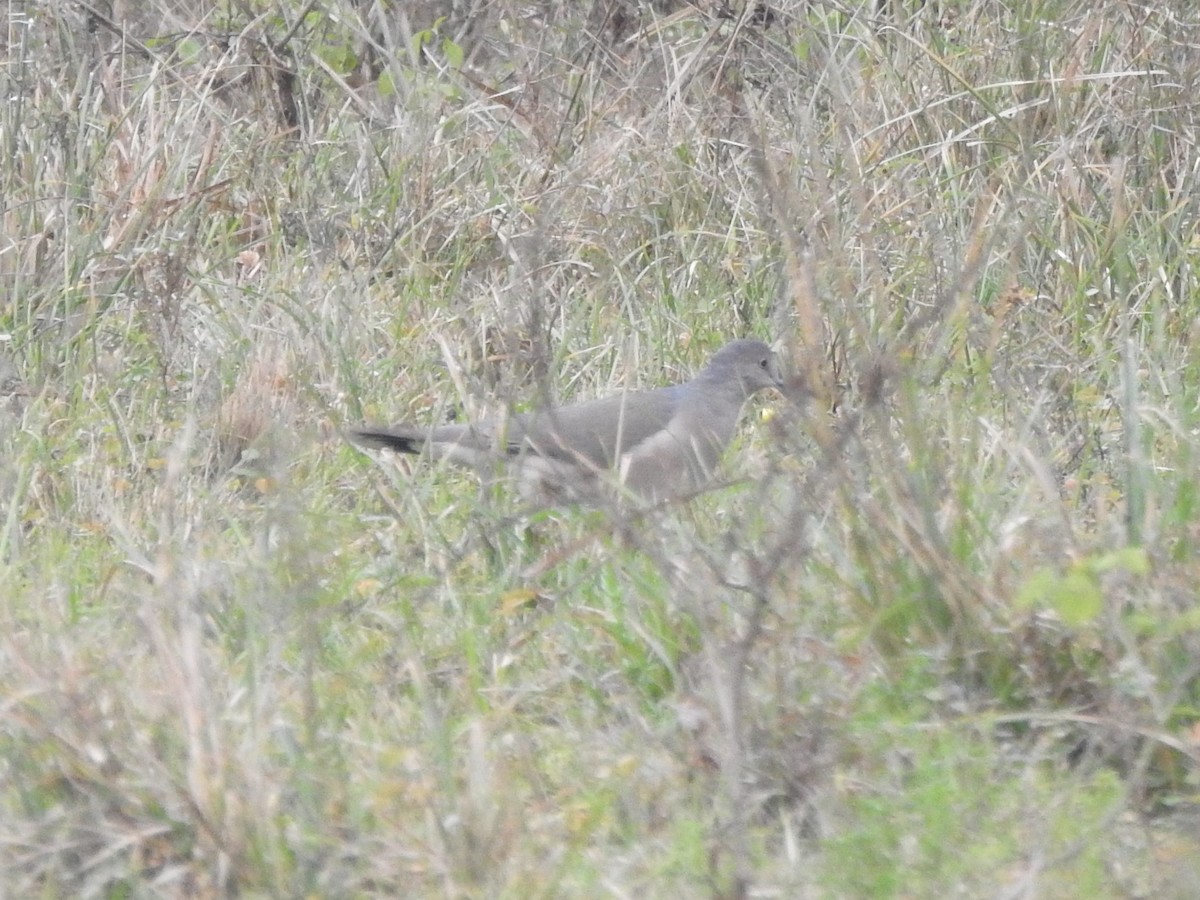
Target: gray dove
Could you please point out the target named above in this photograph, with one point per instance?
(656, 444)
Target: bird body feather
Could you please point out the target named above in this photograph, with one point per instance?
(658, 443)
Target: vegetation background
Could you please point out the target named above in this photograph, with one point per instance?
(936, 635)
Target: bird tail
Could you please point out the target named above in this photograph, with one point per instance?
(401, 441)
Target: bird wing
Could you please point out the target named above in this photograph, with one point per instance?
(597, 433)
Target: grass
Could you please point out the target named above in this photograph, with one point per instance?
(934, 635)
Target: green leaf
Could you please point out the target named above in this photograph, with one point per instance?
(1133, 560)
(1077, 598)
(453, 53)
(420, 39)
(339, 57)
(1037, 588)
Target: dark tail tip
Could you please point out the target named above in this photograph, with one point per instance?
(386, 440)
